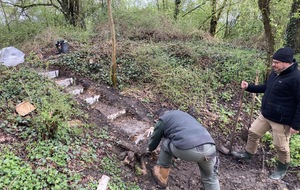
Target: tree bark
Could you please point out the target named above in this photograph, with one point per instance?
(71, 9)
(176, 11)
(165, 4)
(5, 17)
(265, 11)
(293, 28)
(72, 12)
(213, 19)
(215, 16)
(227, 29)
(113, 70)
(157, 4)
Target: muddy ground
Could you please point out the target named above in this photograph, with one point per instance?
(233, 175)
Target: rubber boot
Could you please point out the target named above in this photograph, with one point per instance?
(244, 156)
(280, 171)
(161, 175)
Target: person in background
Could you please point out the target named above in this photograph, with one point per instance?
(280, 110)
(184, 137)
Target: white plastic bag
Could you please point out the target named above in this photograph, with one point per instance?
(11, 56)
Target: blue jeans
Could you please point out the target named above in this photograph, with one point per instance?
(204, 156)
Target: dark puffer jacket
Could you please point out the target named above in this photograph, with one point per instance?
(281, 100)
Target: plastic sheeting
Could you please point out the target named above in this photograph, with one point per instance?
(11, 56)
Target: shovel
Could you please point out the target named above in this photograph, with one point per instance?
(223, 149)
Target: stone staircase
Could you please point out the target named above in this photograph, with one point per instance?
(137, 128)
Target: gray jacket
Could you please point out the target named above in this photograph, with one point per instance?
(183, 130)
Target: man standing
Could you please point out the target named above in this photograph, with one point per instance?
(185, 138)
(280, 110)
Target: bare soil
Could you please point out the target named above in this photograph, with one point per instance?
(233, 175)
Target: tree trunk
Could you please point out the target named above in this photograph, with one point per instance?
(215, 16)
(113, 69)
(213, 19)
(227, 30)
(293, 28)
(165, 5)
(176, 11)
(71, 9)
(102, 4)
(265, 11)
(72, 12)
(5, 17)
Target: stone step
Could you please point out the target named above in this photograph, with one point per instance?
(134, 128)
(75, 90)
(89, 98)
(64, 82)
(142, 136)
(137, 130)
(49, 74)
(110, 112)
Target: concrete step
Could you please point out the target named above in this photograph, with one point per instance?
(137, 130)
(142, 136)
(49, 74)
(111, 112)
(89, 98)
(134, 128)
(75, 90)
(64, 82)
(93, 99)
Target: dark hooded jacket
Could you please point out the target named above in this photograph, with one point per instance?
(281, 100)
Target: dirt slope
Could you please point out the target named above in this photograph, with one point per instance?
(184, 176)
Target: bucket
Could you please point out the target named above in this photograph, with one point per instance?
(62, 46)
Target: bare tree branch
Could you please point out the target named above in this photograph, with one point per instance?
(199, 6)
(216, 11)
(28, 6)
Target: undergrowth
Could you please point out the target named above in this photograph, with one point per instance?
(49, 153)
(52, 146)
(53, 108)
(197, 76)
(192, 75)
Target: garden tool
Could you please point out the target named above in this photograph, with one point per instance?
(220, 147)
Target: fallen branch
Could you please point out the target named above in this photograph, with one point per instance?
(256, 98)
(131, 147)
(263, 158)
(125, 145)
(143, 165)
(138, 155)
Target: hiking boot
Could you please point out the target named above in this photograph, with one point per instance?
(161, 175)
(280, 171)
(244, 156)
